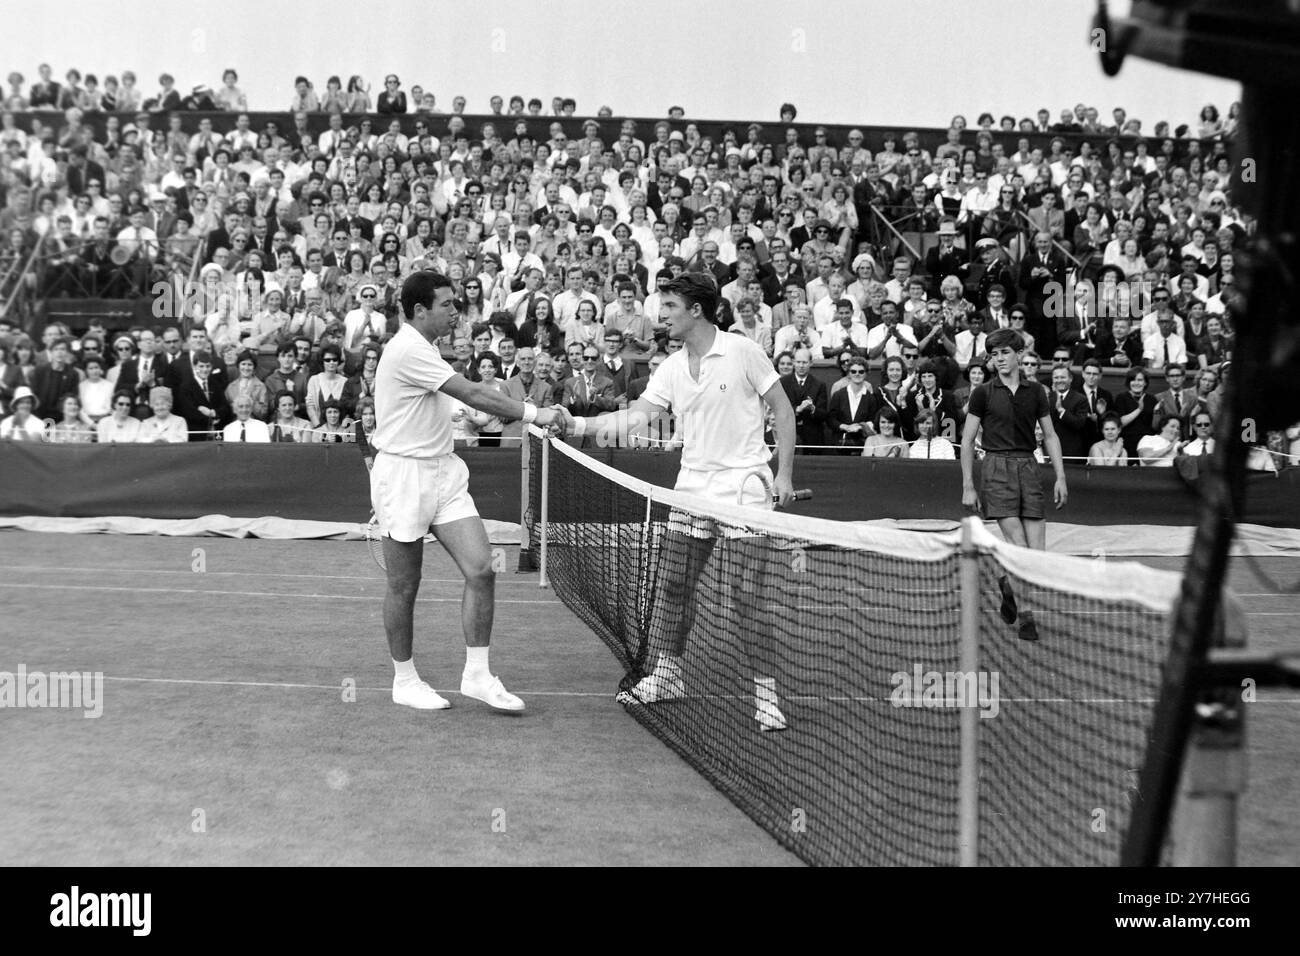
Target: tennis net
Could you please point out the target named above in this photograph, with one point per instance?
(819, 678)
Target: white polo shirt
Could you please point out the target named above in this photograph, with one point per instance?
(413, 416)
(721, 417)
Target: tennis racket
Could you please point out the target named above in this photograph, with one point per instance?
(764, 476)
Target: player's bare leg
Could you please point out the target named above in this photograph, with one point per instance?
(672, 618)
(405, 561)
(1027, 533)
(467, 543)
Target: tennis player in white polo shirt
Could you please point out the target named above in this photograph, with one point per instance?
(716, 385)
(418, 484)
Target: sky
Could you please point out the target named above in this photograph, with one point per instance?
(840, 61)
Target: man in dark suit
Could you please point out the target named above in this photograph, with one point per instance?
(1126, 344)
(1097, 401)
(851, 410)
(82, 170)
(945, 259)
(1177, 401)
(779, 273)
(808, 398)
(1042, 279)
(618, 370)
(1075, 317)
(588, 392)
(181, 369)
(201, 399)
(140, 373)
(1069, 411)
(527, 386)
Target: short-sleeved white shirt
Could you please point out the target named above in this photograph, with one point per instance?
(412, 415)
(721, 417)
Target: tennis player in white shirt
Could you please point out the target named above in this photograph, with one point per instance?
(418, 484)
(717, 386)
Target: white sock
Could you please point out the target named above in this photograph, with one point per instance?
(404, 671)
(476, 661)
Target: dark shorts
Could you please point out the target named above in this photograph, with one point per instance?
(1011, 487)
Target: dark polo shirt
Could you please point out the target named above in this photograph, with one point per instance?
(1008, 419)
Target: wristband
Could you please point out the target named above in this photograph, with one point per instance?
(530, 413)
(579, 427)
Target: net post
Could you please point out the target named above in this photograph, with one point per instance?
(543, 581)
(526, 562)
(968, 773)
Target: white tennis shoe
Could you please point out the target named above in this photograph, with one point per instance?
(490, 691)
(663, 683)
(418, 694)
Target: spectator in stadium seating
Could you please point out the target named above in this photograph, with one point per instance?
(51, 382)
(1165, 347)
(928, 445)
(527, 386)
(121, 427)
(362, 384)
(201, 399)
(1208, 397)
(1108, 450)
(334, 427)
(886, 442)
(588, 391)
(1127, 345)
(1159, 449)
(843, 334)
(808, 397)
(975, 374)
(245, 428)
(162, 427)
(926, 394)
(1203, 441)
(1136, 410)
(358, 96)
(288, 377)
(1069, 410)
(22, 425)
(891, 337)
(286, 425)
(799, 334)
(365, 429)
(852, 409)
(1215, 347)
(95, 391)
(490, 427)
(247, 385)
(1175, 402)
(230, 97)
(327, 385)
(393, 98)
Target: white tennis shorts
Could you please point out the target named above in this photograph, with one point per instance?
(411, 494)
(723, 485)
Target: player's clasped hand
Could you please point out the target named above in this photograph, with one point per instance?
(784, 489)
(557, 418)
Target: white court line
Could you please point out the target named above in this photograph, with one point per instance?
(575, 693)
(249, 574)
(332, 687)
(266, 594)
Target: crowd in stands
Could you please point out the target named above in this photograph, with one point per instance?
(285, 249)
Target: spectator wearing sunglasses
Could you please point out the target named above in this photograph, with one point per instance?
(392, 99)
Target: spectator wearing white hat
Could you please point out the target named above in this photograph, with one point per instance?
(22, 425)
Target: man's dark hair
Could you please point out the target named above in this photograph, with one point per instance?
(1003, 338)
(696, 288)
(419, 289)
(1091, 363)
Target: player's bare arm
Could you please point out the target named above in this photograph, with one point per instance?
(487, 399)
(784, 430)
(1053, 445)
(969, 498)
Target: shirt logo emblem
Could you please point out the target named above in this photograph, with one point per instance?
(722, 387)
